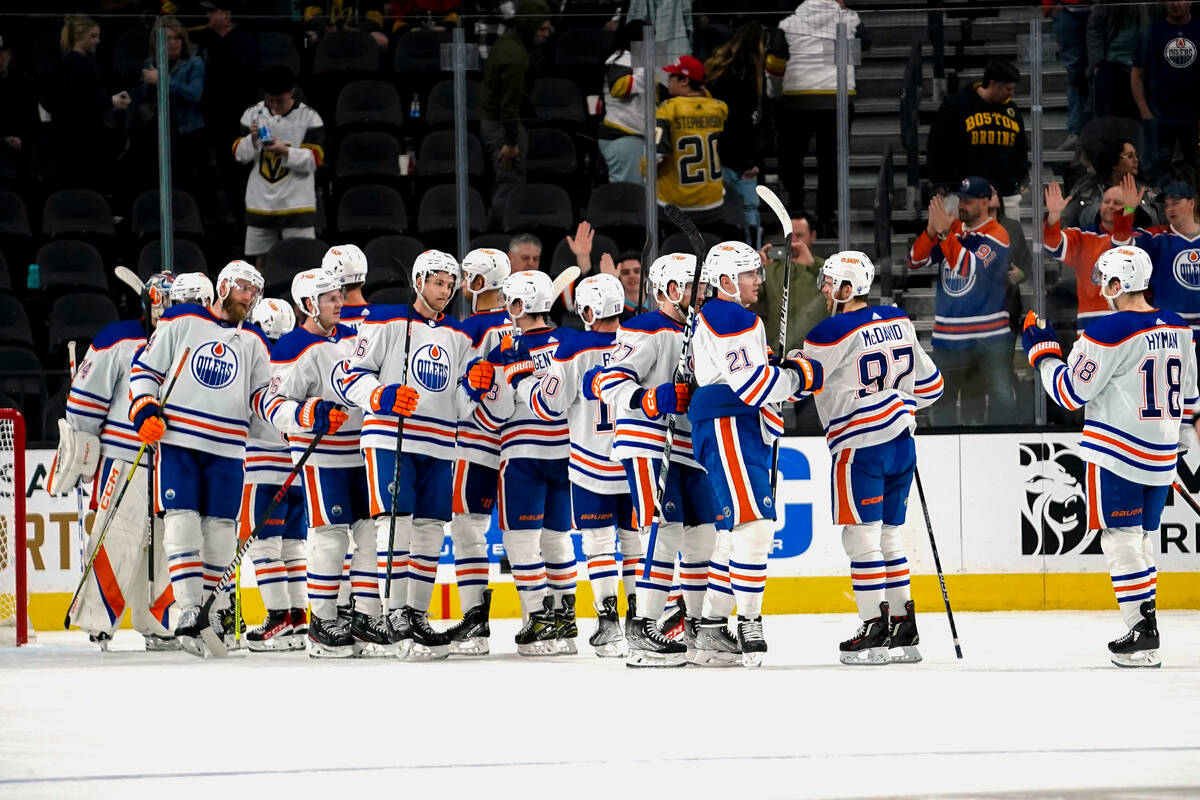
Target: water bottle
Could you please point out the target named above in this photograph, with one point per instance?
(414, 108)
(264, 130)
(34, 280)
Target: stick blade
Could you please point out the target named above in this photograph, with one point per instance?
(771, 199)
(128, 277)
(212, 641)
(685, 224)
(565, 278)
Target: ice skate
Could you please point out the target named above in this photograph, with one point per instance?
(469, 637)
(273, 635)
(903, 648)
(232, 628)
(565, 629)
(714, 645)
(299, 619)
(187, 630)
(427, 644)
(399, 631)
(672, 625)
(539, 635)
(750, 639)
(327, 639)
(870, 644)
(649, 648)
(345, 614)
(608, 640)
(370, 636)
(691, 627)
(630, 615)
(101, 640)
(156, 643)
(1139, 647)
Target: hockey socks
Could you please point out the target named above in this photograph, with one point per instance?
(468, 531)
(528, 569)
(559, 553)
(631, 559)
(364, 577)
(424, 553)
(748, 567)
(698, 544)
(658, 571)
(1134, 577)
(895, 567)
(395, 574)
(270, 573)
(868, 572)
(718, 597)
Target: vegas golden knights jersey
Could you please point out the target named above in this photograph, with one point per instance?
(689, 172)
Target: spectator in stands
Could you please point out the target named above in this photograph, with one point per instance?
(82, 134)
(580, 246)
(17, 98)
(689, 123)
(1164, 80)
(188, 141)
(735, 76)
(281, 198)
(980, 131)
(1070, 31)
(620, 135)
(806, 304)
(972, 343)
(1020, 260)
(1115, 160)
(1114, 29)
(505, 78)
(1175, 252)
(801, 70)
(525, 252)
(330, 15)
(628, 269)
(672, 21)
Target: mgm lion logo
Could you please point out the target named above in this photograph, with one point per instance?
(1054, 517)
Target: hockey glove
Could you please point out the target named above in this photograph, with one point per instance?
(146, 416)
(812, 374)
(517, 361)
(667, 398)
(480, 378)
(1039, 340)
(320, 416)
(395, 399)
(589, 382)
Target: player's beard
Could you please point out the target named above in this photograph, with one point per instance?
(234, 310)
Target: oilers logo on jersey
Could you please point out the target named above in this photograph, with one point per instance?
(431, 366)
(338, 374)
(214, 365)
(1187, 269)
(954, 282)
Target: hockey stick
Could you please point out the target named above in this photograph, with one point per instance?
(689, 327)
(647, 249)
(937, 562)
(127, 276)
(215, 646)
(80, 533)
(1187, 497)
(785, 221)
(565, 279)
(87, 570)
(399, 451)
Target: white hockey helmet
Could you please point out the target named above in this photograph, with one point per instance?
(848, 266)
(1130, 265)
(347, 262)
(533, 288)
(432, 261)
(192, 287)
(730, 259)
(239, 270)
(311, 284)
(603, 294)
(275, 316)
(677, 268)
(493, 265)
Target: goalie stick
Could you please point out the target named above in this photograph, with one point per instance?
(80, 532)
(87, 570)
(937, 562)
(785, 221)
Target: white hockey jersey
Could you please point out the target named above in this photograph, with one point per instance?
(305, 366)
(99, 399)
(734, 376)
(437, 360)
(353, 316)
(527, 430)
(282, 190)
(560, 391)
(645, 355)
(212, 403)
(1136, 373)
(876, 376)
(476, 443)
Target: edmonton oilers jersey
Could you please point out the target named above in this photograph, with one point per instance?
(1175, 279)
(99, 398)
(526, 430)
(478, 444)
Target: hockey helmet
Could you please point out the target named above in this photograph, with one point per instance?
(730, 259)
(239, 270)
(347, 262)
(677, 268)
(432, 261)
(274, 316)
(848, 266)
(192, 287)
(603, 294)
(310, 285)
(1130, 265)
(156, 295)
(534, 289)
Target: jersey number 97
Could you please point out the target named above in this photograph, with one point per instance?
(875, 367)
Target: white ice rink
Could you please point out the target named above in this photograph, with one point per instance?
(1035, 710)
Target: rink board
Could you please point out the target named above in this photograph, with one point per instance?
(1008, 512)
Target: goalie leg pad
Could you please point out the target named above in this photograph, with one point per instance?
(1134, 579)
(150, 615)
(748, 565)
(428, 536)
(394, 575)
(270, 572)
(327, 551)
(364, 574)
(559, 553)
(599, 547)
(183, 540)
(895, 565)
(718, 596)
(867, 569)
(698, 544)
(528, 568)
(468, 531)
(658, 570)
(216, 553)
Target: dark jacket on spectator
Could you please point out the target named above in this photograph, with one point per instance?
(738, 145)
(230, 79)
(187, 89)
(79, 103)
(971, 136)
(507, 69)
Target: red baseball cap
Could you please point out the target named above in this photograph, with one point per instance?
(687, 66)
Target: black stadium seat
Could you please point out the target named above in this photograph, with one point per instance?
(77, 212)
(496, 241)
(558, 101)
(436, 161)
(678, 243)
(78, 316)
(278, 48)
(6, 283)
(369, 104)
(619, 210)
(185, 215)
(367, 156)
(419, 50)
(439, 109)
(67, 264)
(188, 258)
(539, 208)
(285, 259)
(390, 259)
(582, 48)
(14, 322)
(14, 218)
(437, 216)
(346, 51)
(371, 210)
(552, 158)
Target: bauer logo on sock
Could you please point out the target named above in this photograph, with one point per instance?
(214, 365)
(431, 366)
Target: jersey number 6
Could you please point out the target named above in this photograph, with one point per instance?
(874, 367)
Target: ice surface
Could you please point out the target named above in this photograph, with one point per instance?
(1035, 710)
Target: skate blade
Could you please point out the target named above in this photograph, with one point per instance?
(474, 646)
(617, 649)
(641, 659)
(193, 645)
(421, 652)
(714, 658)
(316, 650)
(161, 646)
(545, 648)
(374, 650)
(297, 641)
(1142, 659)
(872, 656)
(565, 647)
(752, 660)
(905, 654)
(101, 640)
(272, 645)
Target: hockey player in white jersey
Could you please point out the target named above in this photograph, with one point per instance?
(601, 508)
(1135, 373)
(203, 441)
(876, 376)
(735, 418)
(96, 441)
(534, 490)
(349, 263)
(639, 385)
(432, 405)
(192, 287)
(477, 457)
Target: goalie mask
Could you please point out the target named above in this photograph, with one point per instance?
(603, 294)
(532, 288)
(492, 265)
(156, 297)
(192, 287)
(274, 316)
(347, 262)
(730, 259)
